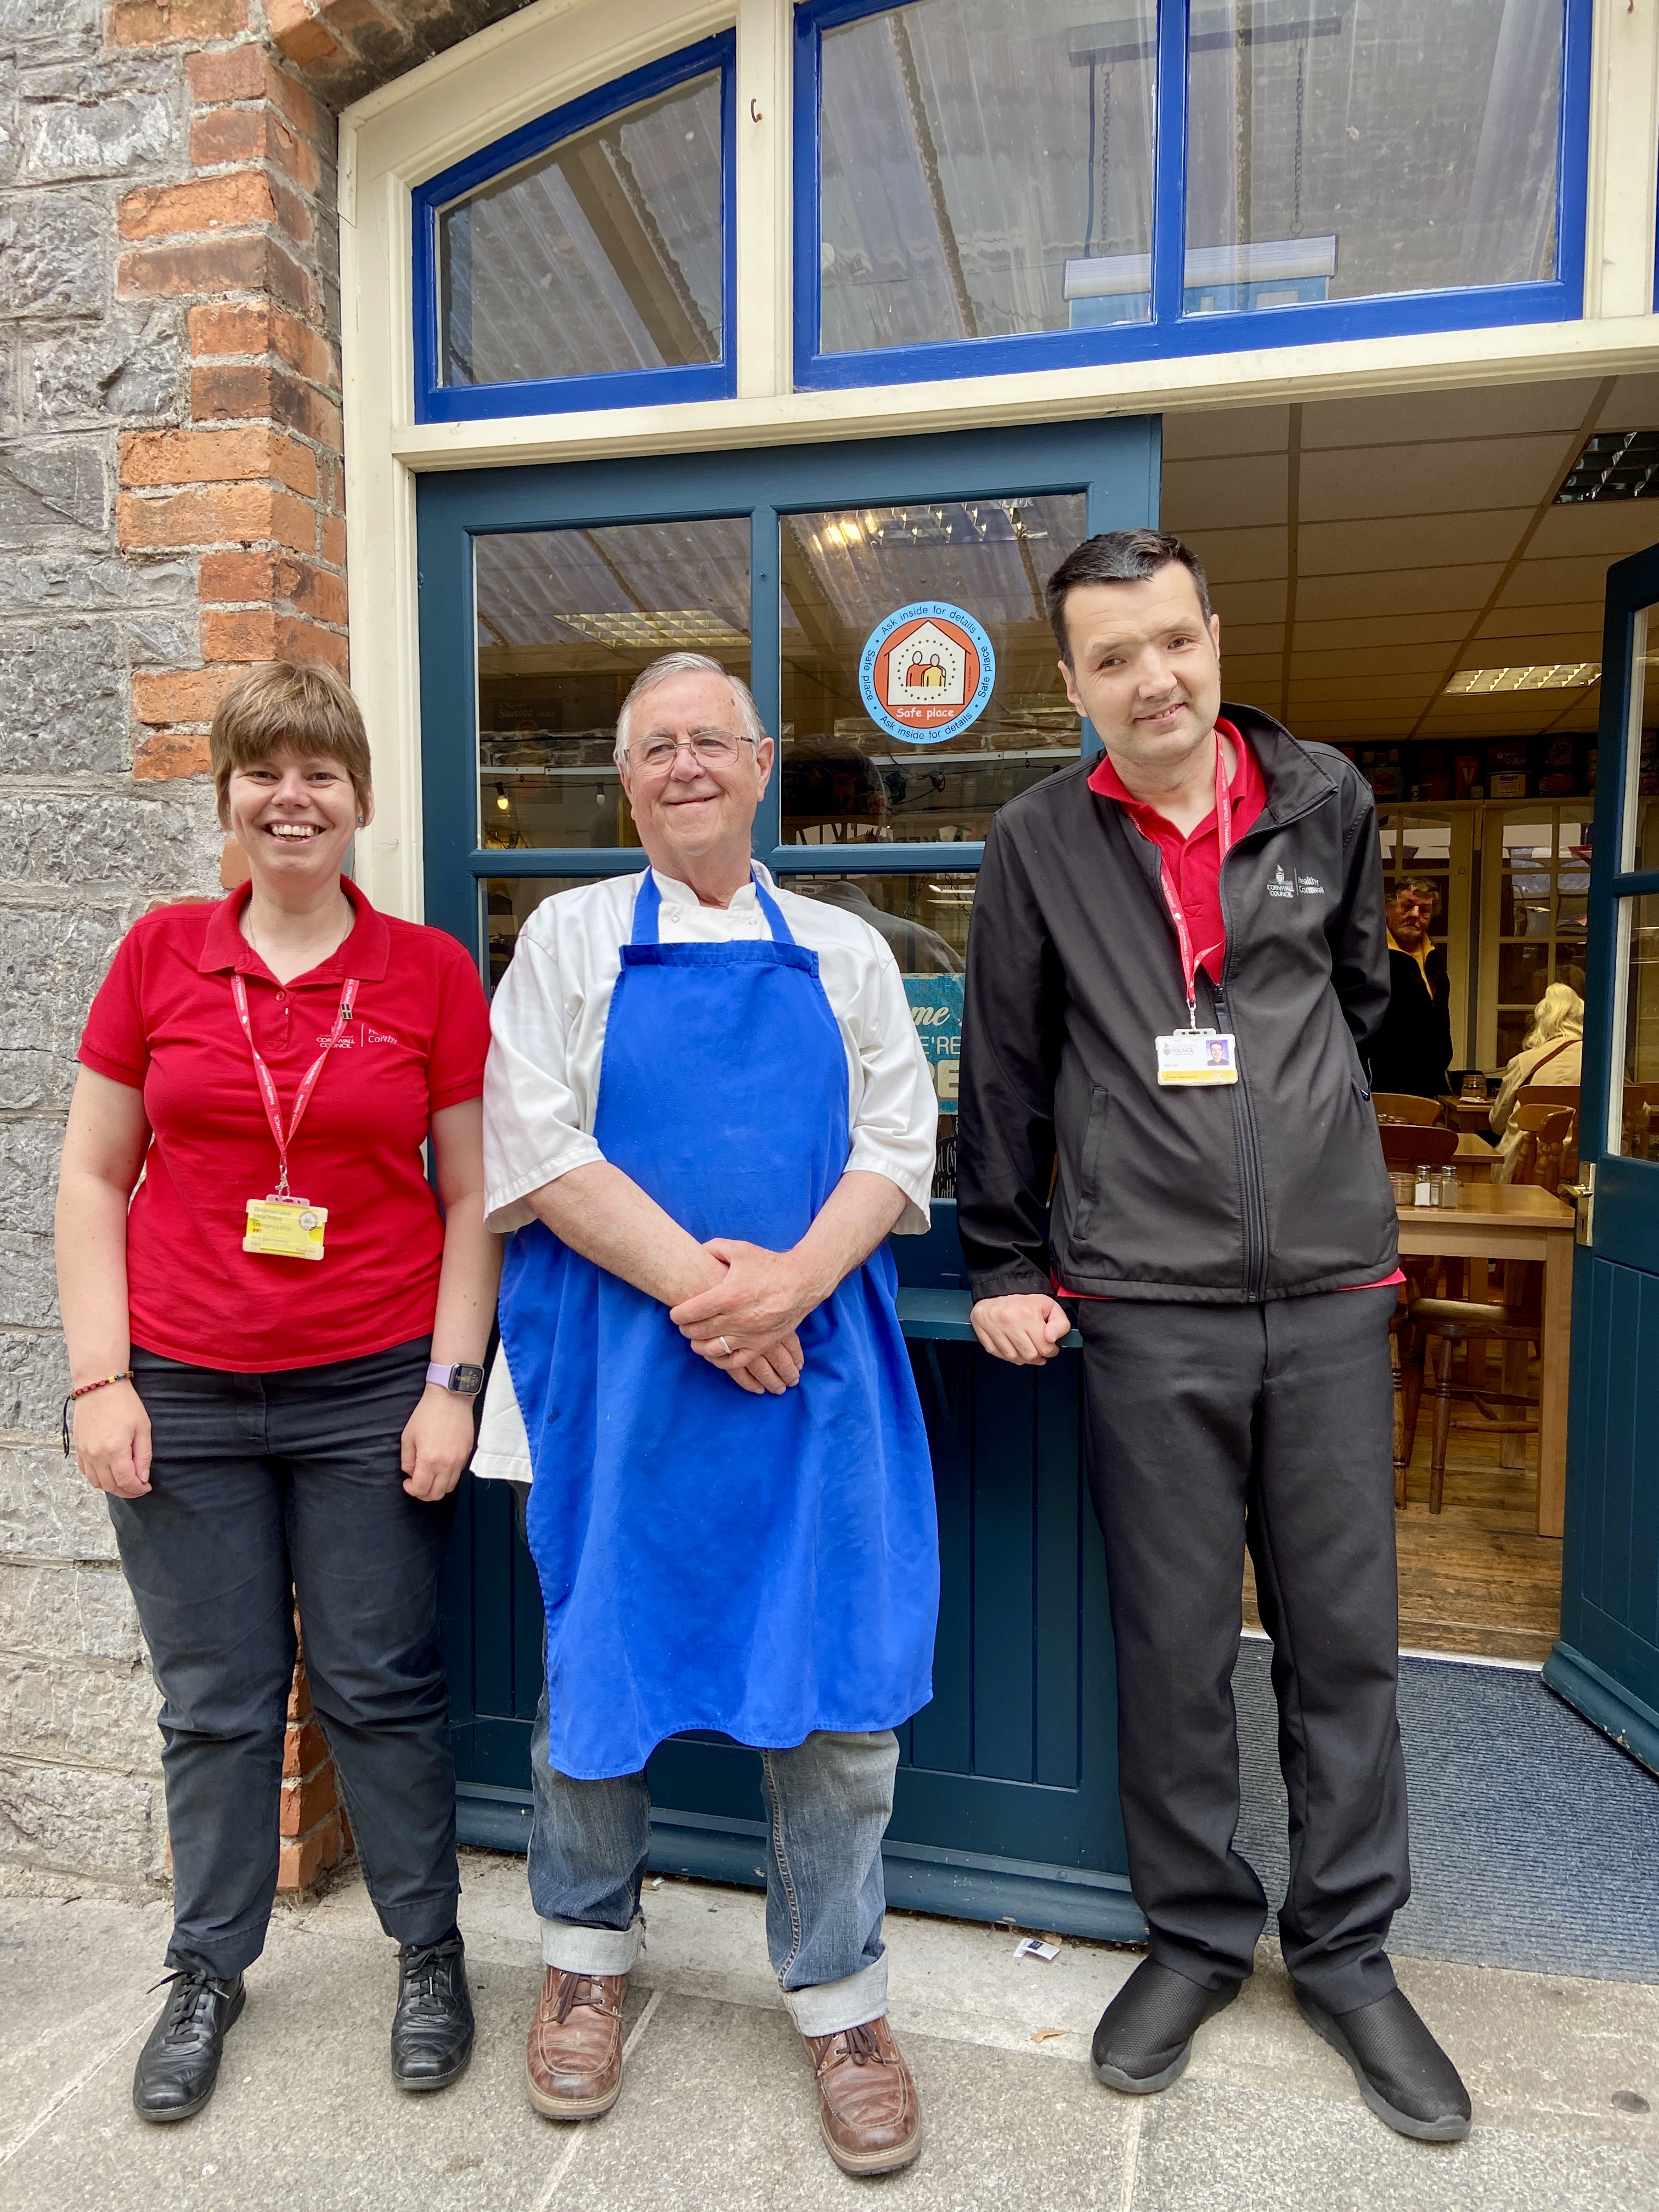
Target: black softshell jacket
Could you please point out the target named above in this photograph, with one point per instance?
(1273, 1187)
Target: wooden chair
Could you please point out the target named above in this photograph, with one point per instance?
(1516, 1323)
(1416, 1147)
(1546, 1131)
(1557, 1095)
(1640, 1139)
(1411, 1148)
(1401, 1106)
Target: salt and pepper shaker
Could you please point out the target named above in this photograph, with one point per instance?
(1424, 1192)
(1447, 1194)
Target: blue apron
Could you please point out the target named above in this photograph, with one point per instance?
(710, 1560)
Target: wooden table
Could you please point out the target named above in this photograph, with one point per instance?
(1470, 1114)
(1516, 1221)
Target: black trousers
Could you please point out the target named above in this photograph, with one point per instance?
(1211, 1426)
(261, 1484)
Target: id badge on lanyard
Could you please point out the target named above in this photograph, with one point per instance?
(281, 1225)
(1195, 1055)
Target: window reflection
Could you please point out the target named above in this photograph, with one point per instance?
(603, 255)
(847, 779)
(566, 621)
(924, 920)
(1337, 151)
(972, 154)
(508, 903)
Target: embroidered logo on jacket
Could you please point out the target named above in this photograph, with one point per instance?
(1281, 886)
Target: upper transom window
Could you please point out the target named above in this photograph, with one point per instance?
(1166, 176)
(584, 261)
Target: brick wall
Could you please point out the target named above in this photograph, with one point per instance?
(171, 510)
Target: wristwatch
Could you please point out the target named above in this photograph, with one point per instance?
(466, 1382)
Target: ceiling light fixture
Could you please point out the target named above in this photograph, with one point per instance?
(1614, 464)
(1549, 676)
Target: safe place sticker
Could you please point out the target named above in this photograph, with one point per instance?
(926, 673)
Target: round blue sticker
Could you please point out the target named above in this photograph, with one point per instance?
(926, 673)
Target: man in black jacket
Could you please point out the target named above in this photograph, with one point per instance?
(1175, 956)
(1411, 1051)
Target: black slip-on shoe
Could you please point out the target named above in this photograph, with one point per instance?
(432, 2028)
(1144, 2036)
(1403, 2075)
(179, 2065)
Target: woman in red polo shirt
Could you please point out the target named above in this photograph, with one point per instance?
(274, 1340)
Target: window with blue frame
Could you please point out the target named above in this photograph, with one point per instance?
(982, 186)
(585, 260)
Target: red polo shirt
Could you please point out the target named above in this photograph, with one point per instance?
(164, 1021)
(1192, 864)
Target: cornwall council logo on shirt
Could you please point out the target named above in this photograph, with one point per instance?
(926, 673)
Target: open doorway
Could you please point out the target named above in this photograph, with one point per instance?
(1419, 579)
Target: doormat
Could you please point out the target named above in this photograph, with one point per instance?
(1534, 1840)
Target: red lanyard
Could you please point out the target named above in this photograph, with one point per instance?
(307, 1082)
(1224, 838)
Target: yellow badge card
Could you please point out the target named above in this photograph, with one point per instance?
(285, 1228)
(1196, 1056)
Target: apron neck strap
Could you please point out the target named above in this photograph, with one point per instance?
(647, 912)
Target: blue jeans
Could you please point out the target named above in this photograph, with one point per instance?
(827, 1803)
(267, 1490)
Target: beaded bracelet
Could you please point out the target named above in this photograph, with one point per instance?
(86, 1390)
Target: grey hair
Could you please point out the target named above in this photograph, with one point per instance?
(685, 664)
(1560, 1012)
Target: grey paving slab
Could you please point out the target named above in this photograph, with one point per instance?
(1205, 2146)
(306, 2114)
(75, 1977)
(719, 2110)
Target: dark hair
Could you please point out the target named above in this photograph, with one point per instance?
(1118, 557)
(1425, 886)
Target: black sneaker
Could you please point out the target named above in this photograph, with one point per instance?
(1403, 2075)
(179, 2065)
(432, 2028)
(1145, 2034)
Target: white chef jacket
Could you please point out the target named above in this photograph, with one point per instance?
(547, 1039)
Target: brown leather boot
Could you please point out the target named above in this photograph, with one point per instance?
(867, 2105)
(574, 2060)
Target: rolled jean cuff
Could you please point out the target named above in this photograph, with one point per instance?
(574, 1948)
(832, 2006)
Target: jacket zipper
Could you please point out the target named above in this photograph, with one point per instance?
(1250, 1151)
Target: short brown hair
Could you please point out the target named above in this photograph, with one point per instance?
(1119, 556)
(287, 706)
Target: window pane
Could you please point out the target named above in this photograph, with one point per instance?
(508, 903)
(566, 619)
(1639, 1136)
(1339, 152)
(925, 920)
(848, 780)
(601, 255)
(985, 171)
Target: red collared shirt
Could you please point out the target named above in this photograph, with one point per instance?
(1192, 863)
(164, 1021)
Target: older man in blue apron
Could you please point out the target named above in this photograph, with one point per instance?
(705, 1108)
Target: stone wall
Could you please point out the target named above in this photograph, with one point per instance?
(171, 510)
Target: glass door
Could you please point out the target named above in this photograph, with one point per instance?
(1535, 874)
(885, 602)
(1606, 1662)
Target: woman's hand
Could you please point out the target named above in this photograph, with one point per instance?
(438, 1443)
(112, 1440)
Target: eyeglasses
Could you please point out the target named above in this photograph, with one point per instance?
(710, 749)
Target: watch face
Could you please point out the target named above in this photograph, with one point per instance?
(468, 1380)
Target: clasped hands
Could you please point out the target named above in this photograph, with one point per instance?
(744, 1322)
